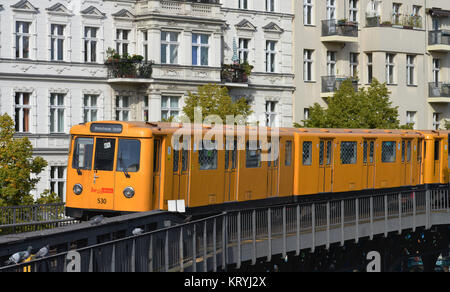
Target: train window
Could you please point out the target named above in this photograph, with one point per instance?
(82, 157)
(349, 152)
(129, 155)
(253, 155)
(403, 151)
(307, 153)
(321, 152)
(408, 152)
(288, 153)
(365, 145)
(388, 153)
(185, 156)
(436, 149)
(371, 152)
(329, 152)
(176, 156)
(207, 157)
(419, 151)
(104, 154)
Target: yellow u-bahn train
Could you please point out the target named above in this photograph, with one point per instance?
(121, 167)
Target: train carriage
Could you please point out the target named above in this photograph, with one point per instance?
(121, 167)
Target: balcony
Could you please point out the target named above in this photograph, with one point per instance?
(332, 83)
(190, 8)
(398, 21)
(236, 75)
(439, 41)
(128, 70)
(339, 31)
(438, 92)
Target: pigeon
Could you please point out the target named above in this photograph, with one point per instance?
(43, 252)
(137, 231)
(19, 257)
(97, 220)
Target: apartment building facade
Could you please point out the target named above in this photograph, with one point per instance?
(53, 73)
(404, 43)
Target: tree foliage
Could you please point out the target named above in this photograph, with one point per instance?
(369, 108)
(215, 100)
(18, 168)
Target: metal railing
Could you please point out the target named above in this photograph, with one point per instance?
(18, 219)
(439, 37)
(231, 238)
(123, 68)
(333, 83)
(333, 27)
(438, 89)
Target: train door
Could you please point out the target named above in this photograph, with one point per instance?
(369, 163)
(273, 169)
(181, 170)
(231, 154)
(103, 181)
(406, 162)
(326, 165)
(156, 172)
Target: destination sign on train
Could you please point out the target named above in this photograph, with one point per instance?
(106, 128)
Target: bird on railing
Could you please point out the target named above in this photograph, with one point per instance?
(43, 252)
(97, 220)
(19, 257)
(137, 231)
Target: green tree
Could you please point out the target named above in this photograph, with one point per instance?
(215, 100)
(18, 169)
(369, 108)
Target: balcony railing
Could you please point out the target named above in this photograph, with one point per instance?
(333, 27)
(125, 68)
(333, 83)
(439, 37)
(234, 73)
(439, 89)
(405, 21)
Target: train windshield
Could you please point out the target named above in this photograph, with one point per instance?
(129, 155)
(82, 156)
(104, 154)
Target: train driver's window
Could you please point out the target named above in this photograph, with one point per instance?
(436, 149)
(129, 155)
(82, 156)
(104, 154)
(253, 154)
(307, 153)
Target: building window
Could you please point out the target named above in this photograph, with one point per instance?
(58, 181)
(436, 121)
(200, 49)
(23, 37)
(145, 44)
(308, 65)
(90, 44)
(57, 112)
(170, 107)
(57, 42)
(145, 110)
(390, 66)
(270, 56)
(271, 113)
(331, 9)
(243, 4)
(306, 114)
(90, 108)
(436, 70)
(270, 5)
(123, 108)
(416, 10)
(411, 119)
(122, 41)
(353, 10)
(396, 13)
(369, 68)
(354, 62)
(331, 63)
(169, 47)
(243, 50)
(22, 112)
(410, 69)
(308, 12)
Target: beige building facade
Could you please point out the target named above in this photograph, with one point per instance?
(405, 43)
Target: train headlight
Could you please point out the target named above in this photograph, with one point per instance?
(128, 192)
(78, 189)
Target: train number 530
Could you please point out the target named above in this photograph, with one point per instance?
(101, 201)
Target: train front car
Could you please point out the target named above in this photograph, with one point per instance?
(109, 169)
